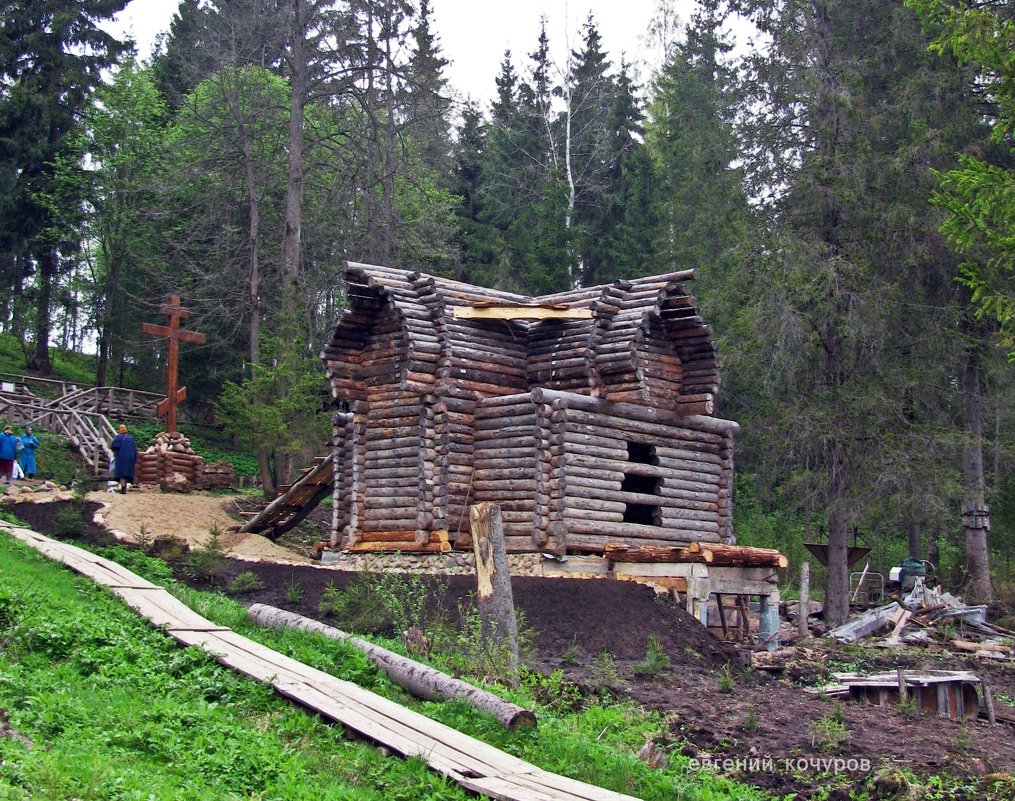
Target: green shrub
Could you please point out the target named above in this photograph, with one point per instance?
(828, 734)
(725, 679)
(247, 581)
(68, 522)
(387, 603)
(467, 650)
(572, 654)
(208, 562)
(554, 691)
(294, 592)
(656, 658)
(605, 671)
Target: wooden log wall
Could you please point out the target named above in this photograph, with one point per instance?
(443, 414)
(637, 482)
(558, 355)
(508, 469)
(342, 488)
(153, 468)
(570, 477)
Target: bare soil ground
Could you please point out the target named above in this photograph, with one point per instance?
(716, 709)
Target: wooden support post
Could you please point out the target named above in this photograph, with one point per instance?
(722, 615)
(988, 703)
(494, 597)
(768, 631)
(697, 598)
(745, 617)
(805, 599)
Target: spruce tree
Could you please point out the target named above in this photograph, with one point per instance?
(52, 56)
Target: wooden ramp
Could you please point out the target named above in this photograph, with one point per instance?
(295, 502)
(473, 764)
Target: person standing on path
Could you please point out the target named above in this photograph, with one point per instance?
(125, 453)
(29, 445)
(8, 452)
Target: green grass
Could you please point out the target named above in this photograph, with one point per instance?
(69, 366)
(118, 711)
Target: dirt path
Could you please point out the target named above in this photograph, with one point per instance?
(189, 518)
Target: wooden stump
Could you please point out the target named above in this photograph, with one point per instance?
(493, 597)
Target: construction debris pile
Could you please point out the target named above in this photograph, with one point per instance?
(929, 616)
(219, 475)
(943, 693)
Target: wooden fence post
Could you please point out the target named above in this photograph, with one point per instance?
(805, 598)
(493, 597)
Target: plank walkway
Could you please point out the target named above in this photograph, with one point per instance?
(473, 764)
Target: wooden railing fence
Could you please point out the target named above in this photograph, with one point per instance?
(80, 414)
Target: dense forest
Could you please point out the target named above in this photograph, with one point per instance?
(844, 189)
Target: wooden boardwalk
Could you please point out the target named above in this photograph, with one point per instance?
(473, 764)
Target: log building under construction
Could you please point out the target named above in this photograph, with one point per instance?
(587, 416)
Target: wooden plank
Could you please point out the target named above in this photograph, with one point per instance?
(519, 312)
(164, 610)
(331, 695)
(113, 577)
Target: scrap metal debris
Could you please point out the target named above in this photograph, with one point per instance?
(926, 616)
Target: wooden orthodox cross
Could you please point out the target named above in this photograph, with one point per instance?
(175, 312)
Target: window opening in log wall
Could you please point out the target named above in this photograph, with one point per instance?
(641, 453)
(642, 514)
(644, 485)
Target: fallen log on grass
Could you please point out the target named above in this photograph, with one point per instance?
(416, 678)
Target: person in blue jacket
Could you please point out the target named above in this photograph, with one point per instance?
(125, 458)
(8, 452)
(29, 445)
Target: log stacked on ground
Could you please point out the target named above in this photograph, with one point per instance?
(170, 459)
(582, 430)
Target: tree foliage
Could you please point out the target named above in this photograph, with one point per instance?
(820, 184)
(979, 194)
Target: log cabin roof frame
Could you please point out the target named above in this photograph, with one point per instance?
(626, 314)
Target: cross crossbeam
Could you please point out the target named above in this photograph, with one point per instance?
(175, 335)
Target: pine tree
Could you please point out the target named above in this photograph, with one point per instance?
(701, 203)
(428, 102)
(849, 117)
(52, 56)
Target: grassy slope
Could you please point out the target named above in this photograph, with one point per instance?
(118, 711)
